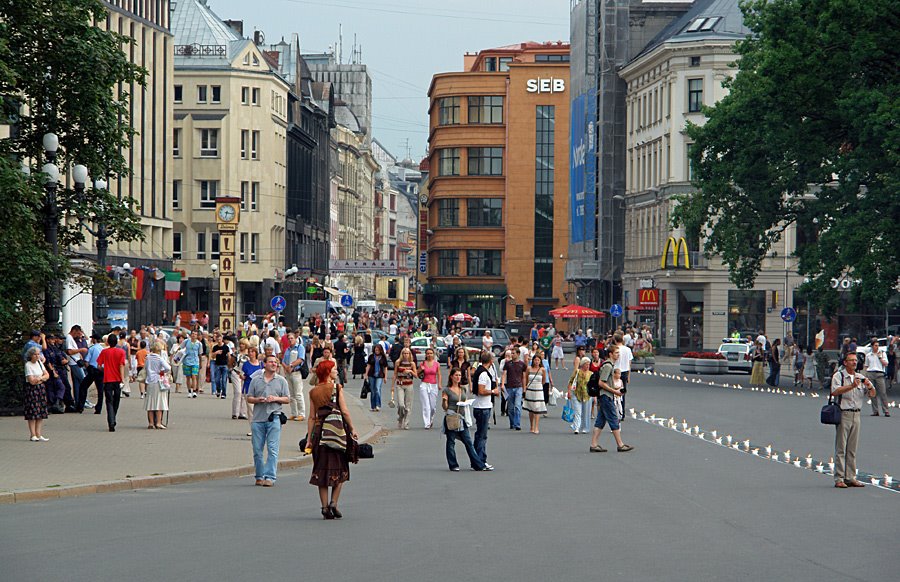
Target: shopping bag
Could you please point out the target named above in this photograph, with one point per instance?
(568, 413)
(555, 395)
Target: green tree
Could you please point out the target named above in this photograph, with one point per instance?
(58, 73)
(809, 133)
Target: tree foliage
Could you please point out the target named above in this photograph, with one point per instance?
(58, 73)
(808, 135)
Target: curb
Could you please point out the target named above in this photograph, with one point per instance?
(153, 481)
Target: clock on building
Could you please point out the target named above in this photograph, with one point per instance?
(227, 212)
(423, 198)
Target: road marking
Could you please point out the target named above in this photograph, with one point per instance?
(745, 446)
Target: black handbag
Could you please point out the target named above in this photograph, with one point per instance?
(831, 412)
(366, 389)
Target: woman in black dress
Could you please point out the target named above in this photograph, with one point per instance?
(359, 356)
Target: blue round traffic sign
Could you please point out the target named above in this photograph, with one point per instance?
(346, 300)
(616, 310)
(278, 303)
(789, 314)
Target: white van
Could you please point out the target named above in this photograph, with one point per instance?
(309, 307)
(367, 304)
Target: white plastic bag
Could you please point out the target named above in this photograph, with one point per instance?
(555, 395)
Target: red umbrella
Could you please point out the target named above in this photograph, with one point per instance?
(461, 317)
(576, 311)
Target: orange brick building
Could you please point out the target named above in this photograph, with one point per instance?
(498, 204)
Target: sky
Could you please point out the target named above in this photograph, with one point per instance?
(404, 43)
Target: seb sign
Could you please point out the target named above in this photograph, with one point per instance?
(551, 85)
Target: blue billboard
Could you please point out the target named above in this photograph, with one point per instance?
(583, 168)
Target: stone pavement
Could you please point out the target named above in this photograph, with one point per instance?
(201, 442)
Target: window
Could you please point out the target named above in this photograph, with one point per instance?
(448, 212)
(483, 263)
(214, 245)
(448, 162)
(551, 58)
(243, 247)
(448, 112)
(176, 246)
(201, 93)
(392, 288)
(209, 143)
(695, 61)
(216, 94)
(746, 311)
(179, 93)
(245, 191)
(254, 145)
(254, 196)
(208, 191)
(504, 63)
(201, 246)
(254, 247)
(487, 109)
(695, 95)
(176, 194)
(255, 96)
(485, 161)
(490, 64)
(176, 142)
(544, 174)
(245, 137)
(392, 230)
(484, 212)
(255, 60)
(448, 263)
(690, 166)
(245, 95)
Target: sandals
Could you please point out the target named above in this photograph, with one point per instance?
(841, 485)
(625, 448)
(597, 450)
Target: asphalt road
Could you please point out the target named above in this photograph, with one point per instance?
(676, 508)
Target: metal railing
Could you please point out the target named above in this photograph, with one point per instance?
(200, 50)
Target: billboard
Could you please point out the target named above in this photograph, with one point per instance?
(583, 168)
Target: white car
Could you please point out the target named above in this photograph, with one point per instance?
(420, 344)
(737, 352)
(863, 351)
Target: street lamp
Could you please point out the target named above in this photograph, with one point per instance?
(214, 267)
(617, 199)
(101, 302)
(53, 290)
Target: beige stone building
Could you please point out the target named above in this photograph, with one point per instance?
(229, 139)
(695, 304)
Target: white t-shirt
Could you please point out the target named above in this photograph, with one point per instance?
(629, 341)
(487, 342)
(393, 329)
(485, 381)
(273, 343)
(71, 345)
(625, 357)
(523, 353)
(762, 340)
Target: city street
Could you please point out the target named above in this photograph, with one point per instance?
(675, 508)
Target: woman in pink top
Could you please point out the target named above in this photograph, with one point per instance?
(430, 374)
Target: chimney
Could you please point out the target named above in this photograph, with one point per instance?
(258, 37)
(236, 25)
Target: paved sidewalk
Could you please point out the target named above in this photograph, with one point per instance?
(201, 437)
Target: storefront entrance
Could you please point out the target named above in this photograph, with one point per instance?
(690, 320)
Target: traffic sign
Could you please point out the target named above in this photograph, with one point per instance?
(312, 290)
(278, 303)
(346, 301)
(789, 314)
(616, 310)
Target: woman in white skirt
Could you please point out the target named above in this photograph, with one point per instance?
(534, 393)
(157, 399)
(809, 369)
(557, 353)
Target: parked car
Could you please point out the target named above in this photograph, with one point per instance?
(420, 344)
(863, 351)
(737, 352)
(472, 336)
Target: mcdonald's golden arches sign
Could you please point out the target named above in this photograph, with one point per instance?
(648, 297)
(679, 246)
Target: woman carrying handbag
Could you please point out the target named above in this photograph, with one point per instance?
(453, 399)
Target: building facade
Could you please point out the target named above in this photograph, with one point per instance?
(229, 139)
(606, 35)
(497, 205)
(149, 157)
(668, 283)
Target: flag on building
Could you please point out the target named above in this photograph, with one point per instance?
(173, 285)
(137, 284)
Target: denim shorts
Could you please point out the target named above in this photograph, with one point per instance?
(607, 414)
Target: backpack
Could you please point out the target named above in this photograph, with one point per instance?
(478, 371)
(593, 385)
(395, 351)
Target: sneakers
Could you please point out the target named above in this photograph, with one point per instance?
(597, 449)
(88, 404)
(454, 469)
(625, 448)
(42, 438)
(142, 395)
(34, 439)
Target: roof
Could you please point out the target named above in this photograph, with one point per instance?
(343, 115)
(527, 45)
(194, 23)
(706, 20)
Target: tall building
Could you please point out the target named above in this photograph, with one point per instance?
(497, 228)
(149, 156)
(229, 139)
(351, 83)
(668, 283)
(606, 35)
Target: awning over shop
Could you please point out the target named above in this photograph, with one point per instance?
(333, 292)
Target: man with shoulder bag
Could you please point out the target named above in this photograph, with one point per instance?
(606, 408)
(849, 388)
(267, 392)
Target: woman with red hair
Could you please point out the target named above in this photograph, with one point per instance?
(330, 466)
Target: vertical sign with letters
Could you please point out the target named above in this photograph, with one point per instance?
(227, 217)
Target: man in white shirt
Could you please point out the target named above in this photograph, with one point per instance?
(850, 388)
(476, 321)
(272, 342)
(392, 328)
(876, 362)
(485, 383)
(623, 364)
(761, 338)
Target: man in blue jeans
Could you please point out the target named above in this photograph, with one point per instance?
(513, 380)
(606, 409)
(219, 371)
(485, 383)
(267, 392)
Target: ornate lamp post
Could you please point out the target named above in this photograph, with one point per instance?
(53, 290)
